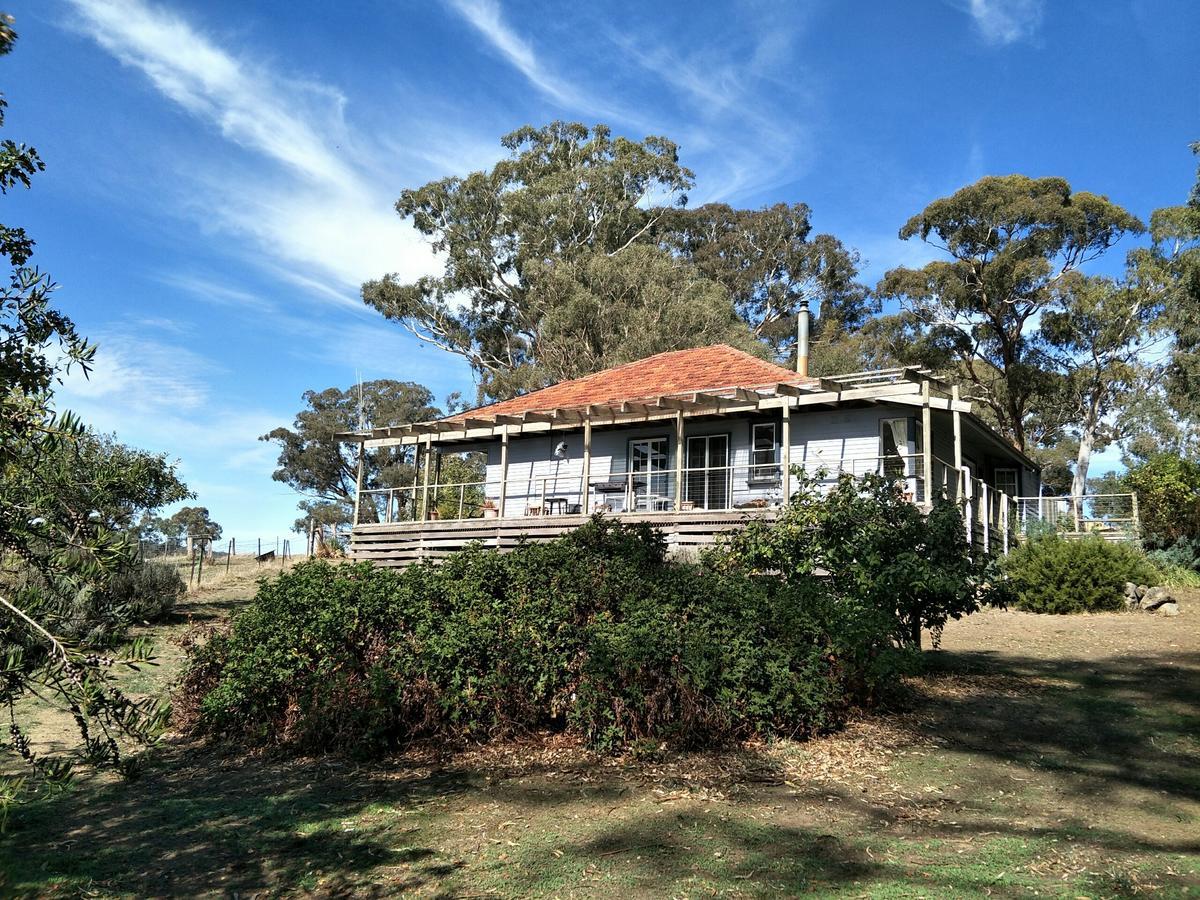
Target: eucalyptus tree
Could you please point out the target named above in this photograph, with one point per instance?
(565, 193)
(1098, 331)
(771, 264)
(1171, 265)
(314, 463)
(603, 311)
(1010, 240)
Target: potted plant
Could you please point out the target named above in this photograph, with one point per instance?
(489, 509)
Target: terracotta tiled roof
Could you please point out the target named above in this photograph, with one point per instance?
(674, 372)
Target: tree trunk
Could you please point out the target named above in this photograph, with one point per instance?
(1087, 440)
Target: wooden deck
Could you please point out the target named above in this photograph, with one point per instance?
(398, 544)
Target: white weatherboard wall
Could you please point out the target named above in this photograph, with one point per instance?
(822, 438)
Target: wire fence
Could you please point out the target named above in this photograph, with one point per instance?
(201, 560)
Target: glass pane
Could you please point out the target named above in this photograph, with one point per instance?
(894, 442)
(718, 450)
(718, 480)
(1006, 481)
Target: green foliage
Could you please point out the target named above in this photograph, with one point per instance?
(602, 311)
(313, 462)
(770, 264)
(1009, 239)
(594, 633)
(564, 194)
(194, 522)
(57, 548)
(146, 592)
(1097, 331)
(1168, 492)
(1050, 574)
(1183, 554)
(1171, 266)
(876, 552)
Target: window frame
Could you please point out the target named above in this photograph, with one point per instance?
(764, 472)
(1016, 473)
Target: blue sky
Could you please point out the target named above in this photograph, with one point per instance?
(221, 174)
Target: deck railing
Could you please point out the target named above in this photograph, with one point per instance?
(758, 485)
(994, 520)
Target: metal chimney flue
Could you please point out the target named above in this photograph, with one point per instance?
(802, 339)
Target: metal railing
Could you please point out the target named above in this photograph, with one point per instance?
(1112, 516)
(755, 486)
(994, 521)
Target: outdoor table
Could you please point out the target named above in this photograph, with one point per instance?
(554, 504)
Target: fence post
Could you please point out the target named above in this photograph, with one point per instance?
(228, 555)
(200, 571)
(1137, 524)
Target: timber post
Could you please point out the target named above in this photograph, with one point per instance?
(358, 484)
(425, 486)
(926, 444)
(956, 418)
(679, 457)
(587, 461)
(787, 452)
(503, 471)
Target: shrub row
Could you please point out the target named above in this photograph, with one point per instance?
(594, 633)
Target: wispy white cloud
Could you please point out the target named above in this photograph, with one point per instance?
(486, 17)
(315, 211)
(143, 374)
(376, 349)
(714, 104)
(744, 106)
(250, 105)
(1006, 21)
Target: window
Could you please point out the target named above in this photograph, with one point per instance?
(1006, 482)
(899, 452)
(896, 447)
(764, 452)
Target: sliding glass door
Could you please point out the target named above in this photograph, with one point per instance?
(648, 461)
(708, 475)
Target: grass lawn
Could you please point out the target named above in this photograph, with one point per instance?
(1039, 755)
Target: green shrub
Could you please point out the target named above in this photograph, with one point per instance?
(594, 633)
(874, 550)
(1168, 492)
(1050, 574)
(146, 592)
(1183, 554)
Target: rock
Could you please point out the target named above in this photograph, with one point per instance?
(1141, 591)
(1156, 597)
(1131, 590)
(1168, 609)
(1131, 603)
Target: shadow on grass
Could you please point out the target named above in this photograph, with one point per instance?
(1103, 726)
(197, 825)
(1114, 740)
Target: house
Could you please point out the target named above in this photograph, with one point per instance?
(697, 441)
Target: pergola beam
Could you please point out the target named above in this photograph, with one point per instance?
(789, 390)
